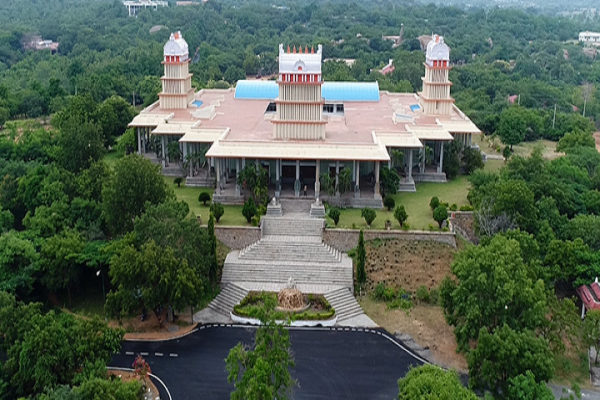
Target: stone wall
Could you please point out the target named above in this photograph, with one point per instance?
(463, 223)
(237, 237)
(347, 239)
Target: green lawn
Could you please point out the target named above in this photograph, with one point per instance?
(233, 214)
(112, 156)
(417, 203)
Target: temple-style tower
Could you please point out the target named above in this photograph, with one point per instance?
(299, 105)
(435, 98)
(177, 91)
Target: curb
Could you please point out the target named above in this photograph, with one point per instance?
(194, 329)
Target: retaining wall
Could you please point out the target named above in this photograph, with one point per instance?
(346, 239)
(237, 237)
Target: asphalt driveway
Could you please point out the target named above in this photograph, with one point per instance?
(330, 364)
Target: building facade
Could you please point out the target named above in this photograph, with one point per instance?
(134, 6)
(300, 128)
(589, 37)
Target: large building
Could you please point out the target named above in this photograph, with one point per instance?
(300, 127)
(589, 37)
(134, 6)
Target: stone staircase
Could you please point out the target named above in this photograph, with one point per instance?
(344, 304)
(200, 181)
(230, 295)
(297, 205)
(297, 227)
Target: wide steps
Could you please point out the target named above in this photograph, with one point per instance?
(292, 227)
(344, 303)
(230, 296)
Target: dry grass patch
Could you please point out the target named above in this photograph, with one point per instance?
(425, 324)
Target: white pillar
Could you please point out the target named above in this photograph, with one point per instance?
(218, 174)
(139, 137)
(277, 178)
(243, 162)
(185, 152)
(164, 158)
(377, 179)
(297, 182)
(209, 161)
(357, 187)
(410, 165)
(441, 159)
(317, 179)
(237, 175)
(390, 160)
(337, 178)
(470, 137)
(354, 171)
(423, 158)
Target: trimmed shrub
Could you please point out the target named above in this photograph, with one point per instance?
(440, 215)
(217, 210)
(466, 207)
(334, 214)
(249, 209)
(453, 207)
(389, 202)
(369, 215)
(401, 215)
(423, 294)
(178, 181)
(203, 198)
(434, 203)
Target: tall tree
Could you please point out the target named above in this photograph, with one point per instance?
(506, 354)
(133, 184)
(361, 259)
(432, 382)
(81, 144)
(151, 278)
(493, 289)
(262, 372)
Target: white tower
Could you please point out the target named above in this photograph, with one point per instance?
(435, 98)
(177, 91)
(299, 104)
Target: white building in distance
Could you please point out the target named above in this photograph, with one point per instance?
(136, 5)
(589, 37)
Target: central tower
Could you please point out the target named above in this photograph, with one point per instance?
(299, 104)
(435, 98)
(177, 91)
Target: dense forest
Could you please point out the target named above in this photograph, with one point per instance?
(497, 53)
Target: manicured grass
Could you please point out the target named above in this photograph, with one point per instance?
(233, 214)
(416, 203)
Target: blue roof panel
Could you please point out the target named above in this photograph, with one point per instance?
(331, 91)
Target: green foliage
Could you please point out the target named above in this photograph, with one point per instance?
(345, 181)
(493, 289)
(400, 214)
(431, 382)
(18, 263)
(591, 331)
(334, 214)
(472, 160)
(249, 209)
(389, 181)
(395, 298)
(116, 389)
(572, 140)
(525, 387)
(217, 210)
(327, 184)
(389, 202)
(178, 181)
(253, 304)
(423, 294)
(212, 239)
(133, 184)
(262, 372)
(44, 351)
(369, 215)
(60, 260)
(361, 259)
(256, 181)
(515, 121)
(81, 144)
(203, 198)
(440, 214)
(451, 165)
(491, 366)
(152, 277)
(434, 203)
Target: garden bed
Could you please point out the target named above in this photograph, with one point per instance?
(318, 308)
